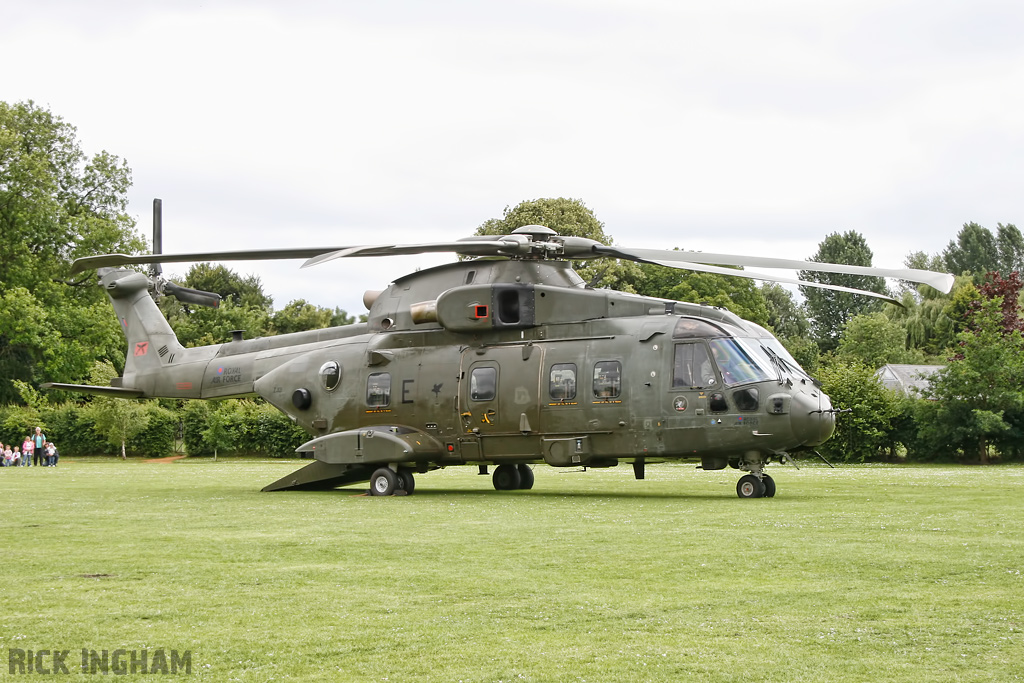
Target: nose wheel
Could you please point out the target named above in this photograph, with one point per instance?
(750, 486)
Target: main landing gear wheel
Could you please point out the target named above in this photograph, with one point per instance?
(384, 482)
(506, 478)
(525, 476)
(406, 482)
(750, 486)
(769, 486)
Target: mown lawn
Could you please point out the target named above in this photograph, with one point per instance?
(866, 573)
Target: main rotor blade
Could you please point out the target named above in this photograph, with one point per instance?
(940, 281)
(683, 265)
(485, 245)
(108, 260)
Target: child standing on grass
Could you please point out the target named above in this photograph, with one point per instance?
(8, 455)
(16, 457)
(27, 449)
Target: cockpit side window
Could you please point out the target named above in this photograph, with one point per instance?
(692, 366)
(736, 364)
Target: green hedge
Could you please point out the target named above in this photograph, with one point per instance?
(156, 440)
(253, 428)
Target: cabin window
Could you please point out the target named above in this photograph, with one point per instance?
(330, 375)
(562, 382)
(607, 379)
(483, 384)
(717, 403)
(378, 389)
(692, 366)
(736, 364)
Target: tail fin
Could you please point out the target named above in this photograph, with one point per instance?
(152, 345)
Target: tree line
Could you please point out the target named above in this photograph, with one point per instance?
(57, 203)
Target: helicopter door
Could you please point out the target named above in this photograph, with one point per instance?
(498, 401)
(695, 383)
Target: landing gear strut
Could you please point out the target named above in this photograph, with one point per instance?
(757, 484)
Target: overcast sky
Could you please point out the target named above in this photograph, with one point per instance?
(745, 127)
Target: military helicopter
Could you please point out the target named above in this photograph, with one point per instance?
(507, 359)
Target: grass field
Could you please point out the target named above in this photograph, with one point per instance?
(867, 573)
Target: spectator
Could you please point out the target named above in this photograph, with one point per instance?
(51, 454)
(28, 447)
(8, 455)
(16, 457)
(39, 440)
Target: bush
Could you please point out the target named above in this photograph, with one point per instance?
(72, 429)
(17, 422)
(254, 428)
(868, 432)
(267, 431)
(195, 416)
(156, 440)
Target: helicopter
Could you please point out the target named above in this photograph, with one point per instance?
(505, 359)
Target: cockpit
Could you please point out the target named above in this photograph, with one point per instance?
(711, 353)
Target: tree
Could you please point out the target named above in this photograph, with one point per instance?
(973, 252)
(55, 205)
(569, 217)
(117, 419)
(927, 326)
(868, 430)
(874, 340)
(962, 301)
(243, 290)
(300, 315)
(1007, 291)
(341, 317)
(785, 317)
(218, 433)
(980, 394)
(830, 310)
(921, 261)
(244, 307)
(205, 326)
(1009, 247)
(740, 295)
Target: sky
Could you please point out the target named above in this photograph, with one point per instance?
(740, 127)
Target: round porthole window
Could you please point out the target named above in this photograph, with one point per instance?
(330, 375)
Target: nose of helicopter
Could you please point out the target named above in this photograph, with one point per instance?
(813, 419)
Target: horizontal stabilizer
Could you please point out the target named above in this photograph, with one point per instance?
(117, 392)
